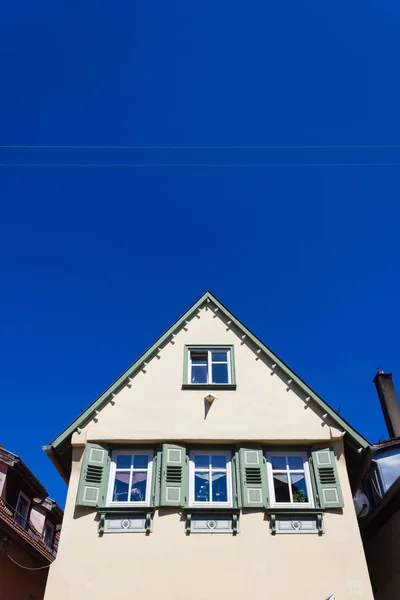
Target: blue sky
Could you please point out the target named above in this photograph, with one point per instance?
(97, 261)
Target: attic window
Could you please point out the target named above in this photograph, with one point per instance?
(209, 366)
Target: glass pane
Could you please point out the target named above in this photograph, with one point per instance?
(140, 461)
(199, 357)
(278, 462)
(281, 486)
(299, 488)
(121, 485)
(218, 461)
(219, 487)
(138, 489)
(220, 373)
(201, 461)
(219, 356)
(201, 487)
(199, 374)
(295, 462)
(49, 533)
(124, 461)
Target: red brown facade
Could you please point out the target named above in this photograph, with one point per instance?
(29, 531)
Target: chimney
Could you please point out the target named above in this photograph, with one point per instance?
(390, 404)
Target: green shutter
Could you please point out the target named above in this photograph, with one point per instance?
(156, 479)
(92, 490)
(326, 477)
(174, 476)
(253, 477)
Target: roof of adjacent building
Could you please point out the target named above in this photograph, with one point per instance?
(13, 460)
(390, 443)
(32, 537)
(60, 446)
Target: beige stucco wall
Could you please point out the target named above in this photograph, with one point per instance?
(156, 407)
(170, 565)
(173, 566)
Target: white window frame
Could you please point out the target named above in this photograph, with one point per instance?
(306, 468)
(228, 455)
(25, 517)
(209, 351)
(113, 468)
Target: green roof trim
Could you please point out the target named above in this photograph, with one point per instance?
(62, 440)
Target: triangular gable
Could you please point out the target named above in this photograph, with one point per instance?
(62, 441)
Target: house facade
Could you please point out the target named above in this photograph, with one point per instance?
(209, 469)
(30, 524)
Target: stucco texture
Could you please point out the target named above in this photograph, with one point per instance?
(263, 407)
(167, 563)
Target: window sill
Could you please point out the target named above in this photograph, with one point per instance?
(295, 516)
(212, 520)
(209, 386)
(294, 510)
(145, 513)
(127, 508)
(211, 509)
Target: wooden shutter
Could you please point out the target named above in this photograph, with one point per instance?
(253, 477)
(326, 477)
(174, 476)
(93, 481)
(156, 481)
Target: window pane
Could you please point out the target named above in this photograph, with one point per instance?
(218, 461)
(138, 489)
(199, 357)
(220, 373)
(124, 461)
(120, 493)
(281, 486)
(49, 533)
(295, 462)
(199, 374)
(299, 488)
(219, 487)
(278, 462)
(201, 487)
(201, 461)
(219, 356)
(140, 461)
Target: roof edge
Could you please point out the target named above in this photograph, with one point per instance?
(60, 439)
(57, 445)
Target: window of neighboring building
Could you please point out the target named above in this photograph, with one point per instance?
(210, 478)
(130, 477)
(289, 479)
(49, 532)
(22, 509)
(207, 366)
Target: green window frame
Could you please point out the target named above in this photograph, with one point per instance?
(230, 385)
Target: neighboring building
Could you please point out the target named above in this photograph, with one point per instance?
(208, 470)
(380, 517)
(29, 531)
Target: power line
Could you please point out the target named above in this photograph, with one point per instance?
(22, 566)
(272, 165)
(167, 147)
